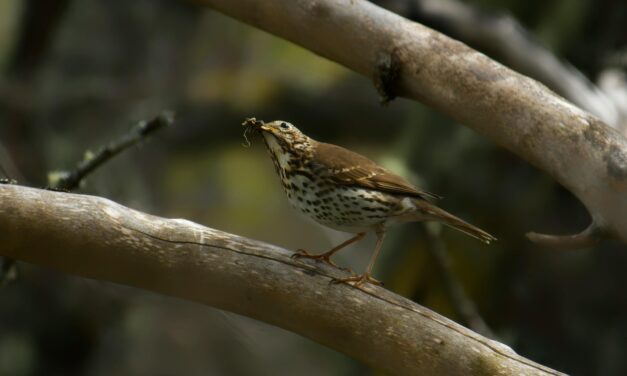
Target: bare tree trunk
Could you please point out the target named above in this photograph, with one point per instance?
(581, 152)
(97, 238)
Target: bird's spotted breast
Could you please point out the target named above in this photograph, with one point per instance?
(344, 208)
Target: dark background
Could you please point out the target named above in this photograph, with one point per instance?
(76, 74)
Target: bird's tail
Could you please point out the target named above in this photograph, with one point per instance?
(434, 213)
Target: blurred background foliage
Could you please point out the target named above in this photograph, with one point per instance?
(76, 74)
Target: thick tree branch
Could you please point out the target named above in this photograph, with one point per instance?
(97, 238)
(581, 152)
(501, 36)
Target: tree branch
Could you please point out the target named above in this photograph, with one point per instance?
(501, 36)
(578, 150)
(97, 238)
(585, 239)
(70, 180)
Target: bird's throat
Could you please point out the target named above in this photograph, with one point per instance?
(280, 154)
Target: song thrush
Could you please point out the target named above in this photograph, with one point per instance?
(348, 192)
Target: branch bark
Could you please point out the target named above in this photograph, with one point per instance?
(97, 238)
(577, 149)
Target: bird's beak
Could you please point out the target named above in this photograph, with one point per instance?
(265, 128)
(252, 123)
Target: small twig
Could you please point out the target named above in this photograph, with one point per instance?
(463, 306)
(589, 237)
(69, 180)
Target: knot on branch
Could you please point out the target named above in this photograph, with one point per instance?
(386, 75)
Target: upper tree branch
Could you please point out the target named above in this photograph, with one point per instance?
(97, 238)
(501, 36)
(581, 152)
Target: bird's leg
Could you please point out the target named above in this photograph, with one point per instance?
(366, 277)
(326, 257)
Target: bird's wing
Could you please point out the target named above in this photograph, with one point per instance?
(349, 168)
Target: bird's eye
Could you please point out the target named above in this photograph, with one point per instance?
(284, 126)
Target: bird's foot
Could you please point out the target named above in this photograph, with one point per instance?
(358, 280)
(325, 258)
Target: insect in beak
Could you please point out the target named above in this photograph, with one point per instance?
(251, 125)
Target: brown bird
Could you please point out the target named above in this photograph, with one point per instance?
(348, 192)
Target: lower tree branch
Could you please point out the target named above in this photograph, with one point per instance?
(96, 238)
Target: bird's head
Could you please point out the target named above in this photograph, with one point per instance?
(281, 134)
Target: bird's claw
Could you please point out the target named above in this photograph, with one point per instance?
(301, 253)
(357, 280)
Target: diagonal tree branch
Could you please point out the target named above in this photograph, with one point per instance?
(70, 180)
(503, 37)
(578, 150)
(97, 238)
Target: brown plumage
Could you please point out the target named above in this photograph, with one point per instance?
(349, 168)
(347, 191)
